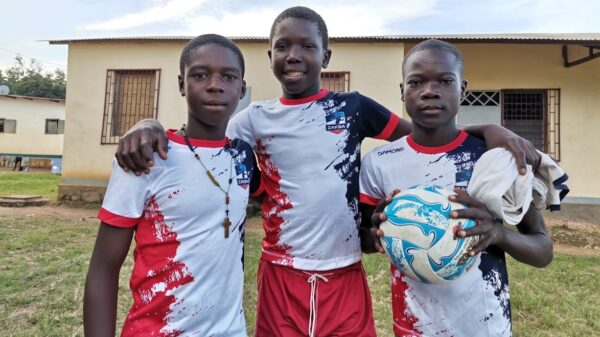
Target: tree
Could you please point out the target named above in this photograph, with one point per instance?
(33, 81)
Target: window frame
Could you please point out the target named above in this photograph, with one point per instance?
(113, 99)
(343, 76)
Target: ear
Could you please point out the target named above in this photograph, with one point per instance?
(402, 91)
(326, 58)
(463, 89)
(243, 91)
(181, 85)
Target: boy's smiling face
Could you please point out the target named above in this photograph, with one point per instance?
(297, 56)
(433, 88)
(212, 84)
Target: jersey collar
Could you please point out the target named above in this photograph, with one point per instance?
(195, 142)
(462, 135)
(296, 101)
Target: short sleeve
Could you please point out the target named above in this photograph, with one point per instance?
(371, 190)
(239, 127)
(125, 198)
(376, 121)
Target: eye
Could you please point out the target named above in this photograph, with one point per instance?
(230, 77)
(447, 81)
(279, 46)
(414, 83)
(309, 46)
(199, 76)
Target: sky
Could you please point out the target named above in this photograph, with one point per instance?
(26, 25)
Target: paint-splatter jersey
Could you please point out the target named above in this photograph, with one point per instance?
(187, 278)
(309, 153)
(477, 303)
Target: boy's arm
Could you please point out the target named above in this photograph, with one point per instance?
(102, 283)
(369, 241)
(136, 148)
(498, 136)
(530, 244)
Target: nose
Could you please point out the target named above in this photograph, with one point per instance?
(215, 83)
(431, 89)
(294, 55)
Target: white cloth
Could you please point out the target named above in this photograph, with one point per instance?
(497, 183)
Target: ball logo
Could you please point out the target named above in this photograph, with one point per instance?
(335, 121)
(242, 175)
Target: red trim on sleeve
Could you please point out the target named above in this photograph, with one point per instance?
(389, 128)
(367, 199)
(116, 220)
(296, 101)
(259, 190)
(194, 141)
(462, 135)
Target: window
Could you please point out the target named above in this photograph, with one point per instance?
(338, 81)
(55, 126)
(8, 125)
(535, 116)
(481, 98)
(131, 95)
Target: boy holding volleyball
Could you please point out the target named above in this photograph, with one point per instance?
(438, 153)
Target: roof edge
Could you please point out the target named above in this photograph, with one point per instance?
(551, 38)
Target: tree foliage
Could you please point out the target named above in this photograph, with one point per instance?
(31, 80)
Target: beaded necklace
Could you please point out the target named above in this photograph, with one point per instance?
(226, 221)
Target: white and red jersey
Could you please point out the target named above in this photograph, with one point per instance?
(477, 303)
(187, 278)
(309, 154)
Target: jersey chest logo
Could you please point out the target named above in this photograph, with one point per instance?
(335, 121)
(242, 175)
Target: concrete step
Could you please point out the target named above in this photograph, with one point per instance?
(17, 200)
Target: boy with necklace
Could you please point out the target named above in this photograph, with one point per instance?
(187, 216)
(438, 153)
(310, 279)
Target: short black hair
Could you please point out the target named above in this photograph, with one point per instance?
(205, 39)
(303, 13)
(434, 44)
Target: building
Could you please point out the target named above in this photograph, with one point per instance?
(32, 128)
(543, 86)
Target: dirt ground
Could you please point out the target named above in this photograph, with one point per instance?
(575, 229)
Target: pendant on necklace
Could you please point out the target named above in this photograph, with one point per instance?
(226, 224)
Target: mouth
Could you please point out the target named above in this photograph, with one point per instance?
(293, 74)
(431, 108)
(215, 103)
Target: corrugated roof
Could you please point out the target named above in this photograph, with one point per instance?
(31, 98)
(549, 38)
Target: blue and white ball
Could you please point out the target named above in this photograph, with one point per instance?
(419, 235)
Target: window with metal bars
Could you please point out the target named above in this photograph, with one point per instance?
(51, 126)
(535, 116)
(130, 96)
(481, 98)
(337, 81)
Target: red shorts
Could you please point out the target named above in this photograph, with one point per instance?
(341, 303)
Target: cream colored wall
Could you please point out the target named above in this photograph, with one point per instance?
(30, 137)
(375, 70)
(85, 161)
(88, 63)
(541, 67)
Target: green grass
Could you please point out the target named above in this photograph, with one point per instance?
(32, 183)
(43, 263)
